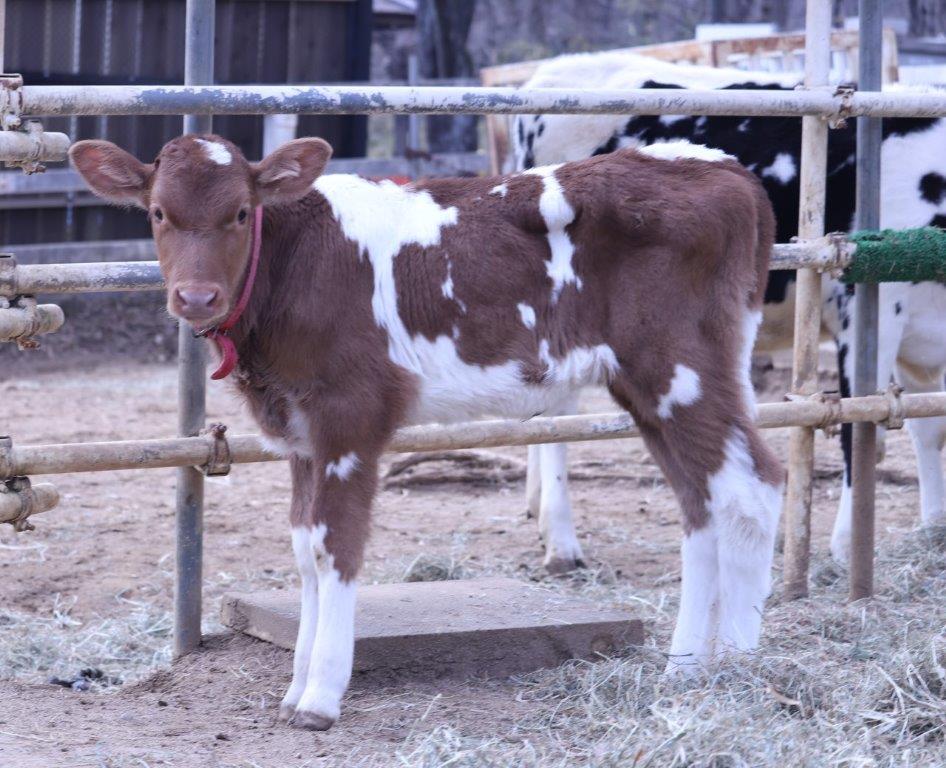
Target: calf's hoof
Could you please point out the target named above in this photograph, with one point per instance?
(559, 565)
(286, 711)
(311, 721)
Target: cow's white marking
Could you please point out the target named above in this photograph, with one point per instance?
(330, 661)
(558, 214)
(500, 189)
(382, 218)
(782, 168)
(297, 441)
(745, 512)
(684, 390)
(553, 506)
(216, 151)
(750, 329)
(694, 634)
(674, 150)
(447, 287)
(343, 466)
(304, 542)
(527, 314)
(671, 119)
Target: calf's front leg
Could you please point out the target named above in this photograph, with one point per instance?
(328, 538)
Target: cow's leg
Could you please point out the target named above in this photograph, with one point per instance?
(303, 496)
(534, 482)
(556, 525)
(337, 528)
(928, 436)
(892, 323)
(696, 416)
(729, 486)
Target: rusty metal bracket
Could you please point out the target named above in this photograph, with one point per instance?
(219, 462)
(22, 488)
(830, 424)
(11, 101)
(843, 252)
(6, 457)
(895, 416)
(844, 92)
(7, 275)
(22, 319)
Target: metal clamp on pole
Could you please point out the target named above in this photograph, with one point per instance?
(219, 462)
(19, 499)
(11, 101)
(845, 94)
(23, 318)
(30, 148)
(895, 416)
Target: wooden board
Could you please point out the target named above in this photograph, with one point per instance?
(493, 627)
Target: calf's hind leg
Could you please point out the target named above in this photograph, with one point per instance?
(729, 486)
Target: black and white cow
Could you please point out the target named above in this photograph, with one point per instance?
(912, 315)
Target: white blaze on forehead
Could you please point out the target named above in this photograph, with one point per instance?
(216, 151)
(675, 150)
(500, 189)
(558, 214)
(381, 218)
(343, 466)
(782, 168)
(684, 390)
(527, 314)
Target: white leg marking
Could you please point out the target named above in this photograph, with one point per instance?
(928, 436)
(562, 550)
(332, 655)
(727, 565)
(343, 466)
(695, 633)
(745, 512)
(684, 390)
(841, 532)
(309, 619)
(534, 481)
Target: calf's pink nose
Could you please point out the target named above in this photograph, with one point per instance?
(197, 299)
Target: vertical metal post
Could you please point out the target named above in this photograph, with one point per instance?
(801, 450)
(864, 452)
(3, 31)
(191, 382)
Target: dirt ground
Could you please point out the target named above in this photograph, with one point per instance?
(92, 585)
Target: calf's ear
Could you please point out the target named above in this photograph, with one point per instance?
(111, 172)
(287, 173)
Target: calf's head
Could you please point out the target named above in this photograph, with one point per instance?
(200, 193)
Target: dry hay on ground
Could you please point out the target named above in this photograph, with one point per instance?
(859, 684)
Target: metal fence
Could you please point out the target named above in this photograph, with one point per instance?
(819, 106)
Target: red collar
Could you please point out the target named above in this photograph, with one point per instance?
(219, 334)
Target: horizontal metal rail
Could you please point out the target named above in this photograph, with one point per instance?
(67, 100)
(94, 277)
(197, 451)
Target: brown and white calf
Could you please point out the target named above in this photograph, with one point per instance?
(377, 306)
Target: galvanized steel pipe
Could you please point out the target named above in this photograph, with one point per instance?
(67, 100)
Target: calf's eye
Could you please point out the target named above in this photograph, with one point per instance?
(158, 215)
(241, 216)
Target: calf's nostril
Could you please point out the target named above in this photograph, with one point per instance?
(190, 298)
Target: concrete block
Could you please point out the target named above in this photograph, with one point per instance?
(493, 627)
